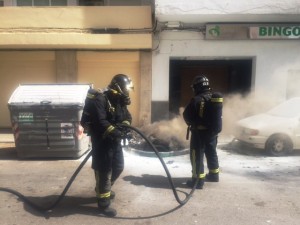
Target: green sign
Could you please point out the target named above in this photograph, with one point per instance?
(225, 32)
(214, 31)
(279, 31)
(252, 31)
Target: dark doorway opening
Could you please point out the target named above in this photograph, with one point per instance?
(226, 76)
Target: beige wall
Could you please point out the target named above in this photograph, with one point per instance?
(76, 17)
(75, 27)
(96, 67)
(63, 44)
(99, 68)
(20, 67)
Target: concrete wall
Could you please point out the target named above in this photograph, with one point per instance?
(19, 67)
(204, 7)
(75, 27)
(98, 68)
(62, 35)
(89, 67)
(129, 17)
(273, 59)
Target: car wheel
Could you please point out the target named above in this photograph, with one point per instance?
(279, 145)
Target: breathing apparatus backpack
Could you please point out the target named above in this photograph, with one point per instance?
(89, 108)
(86, 120)
(212, 114)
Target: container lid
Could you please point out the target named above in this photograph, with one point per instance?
(57, 94)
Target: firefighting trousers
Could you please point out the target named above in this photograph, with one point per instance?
(108, 164)
(203, 143)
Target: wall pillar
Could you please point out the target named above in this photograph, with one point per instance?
(66, 66)
(146, 87)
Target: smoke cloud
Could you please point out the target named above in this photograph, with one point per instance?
(170, 131)
(235, 107)
(283, 85)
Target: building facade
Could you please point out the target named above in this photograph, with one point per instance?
(72, 42)
(242, 46)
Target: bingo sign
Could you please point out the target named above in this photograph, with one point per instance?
(275, 32)
(252, 31)
(67, 130)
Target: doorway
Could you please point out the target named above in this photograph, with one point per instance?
(225, 76)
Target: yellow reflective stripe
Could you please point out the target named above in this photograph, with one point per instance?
(91, 96)
(126, 122)
(104, 195)
(108, 130)
(214, 170)
(114, 91)
(216, 99)
(202, 175)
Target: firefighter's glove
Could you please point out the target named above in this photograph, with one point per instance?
(127, 134)
(117, 134)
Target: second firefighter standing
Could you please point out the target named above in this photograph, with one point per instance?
(203, 115)
(102, 112)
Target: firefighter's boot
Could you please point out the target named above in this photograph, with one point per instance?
(103, 205)
(108, 211)
(212, 177)
(112, 195)
(191, 183)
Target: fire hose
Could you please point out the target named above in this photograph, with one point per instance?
(62, 195)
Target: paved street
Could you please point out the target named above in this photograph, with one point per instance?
(254, 190)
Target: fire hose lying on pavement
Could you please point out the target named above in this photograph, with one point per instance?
(62, 195)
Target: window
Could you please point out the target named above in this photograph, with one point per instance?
(24, 2)
(42, 2)
(91, 2)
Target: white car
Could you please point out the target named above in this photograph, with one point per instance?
(277, 131)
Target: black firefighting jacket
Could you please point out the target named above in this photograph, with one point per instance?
(102, 111)
(204, 112)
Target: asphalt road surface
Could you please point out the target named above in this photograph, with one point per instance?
(254, 189)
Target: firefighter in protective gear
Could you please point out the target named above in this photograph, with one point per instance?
(203, 115)
(102, 111)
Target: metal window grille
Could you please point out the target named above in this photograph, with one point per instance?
(41, 3)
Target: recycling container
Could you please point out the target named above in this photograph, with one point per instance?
(45, 120)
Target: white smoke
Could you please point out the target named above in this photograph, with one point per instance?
(283, 85)
(169, 130)
(237, 107)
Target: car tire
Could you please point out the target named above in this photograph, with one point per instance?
(279, 145)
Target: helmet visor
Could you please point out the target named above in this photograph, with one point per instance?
(129, 86)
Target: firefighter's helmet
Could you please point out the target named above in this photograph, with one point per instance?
(200, 83)
(122, 84)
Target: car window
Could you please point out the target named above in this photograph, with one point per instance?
(290, 108)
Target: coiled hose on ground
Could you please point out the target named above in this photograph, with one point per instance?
(62, 195)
